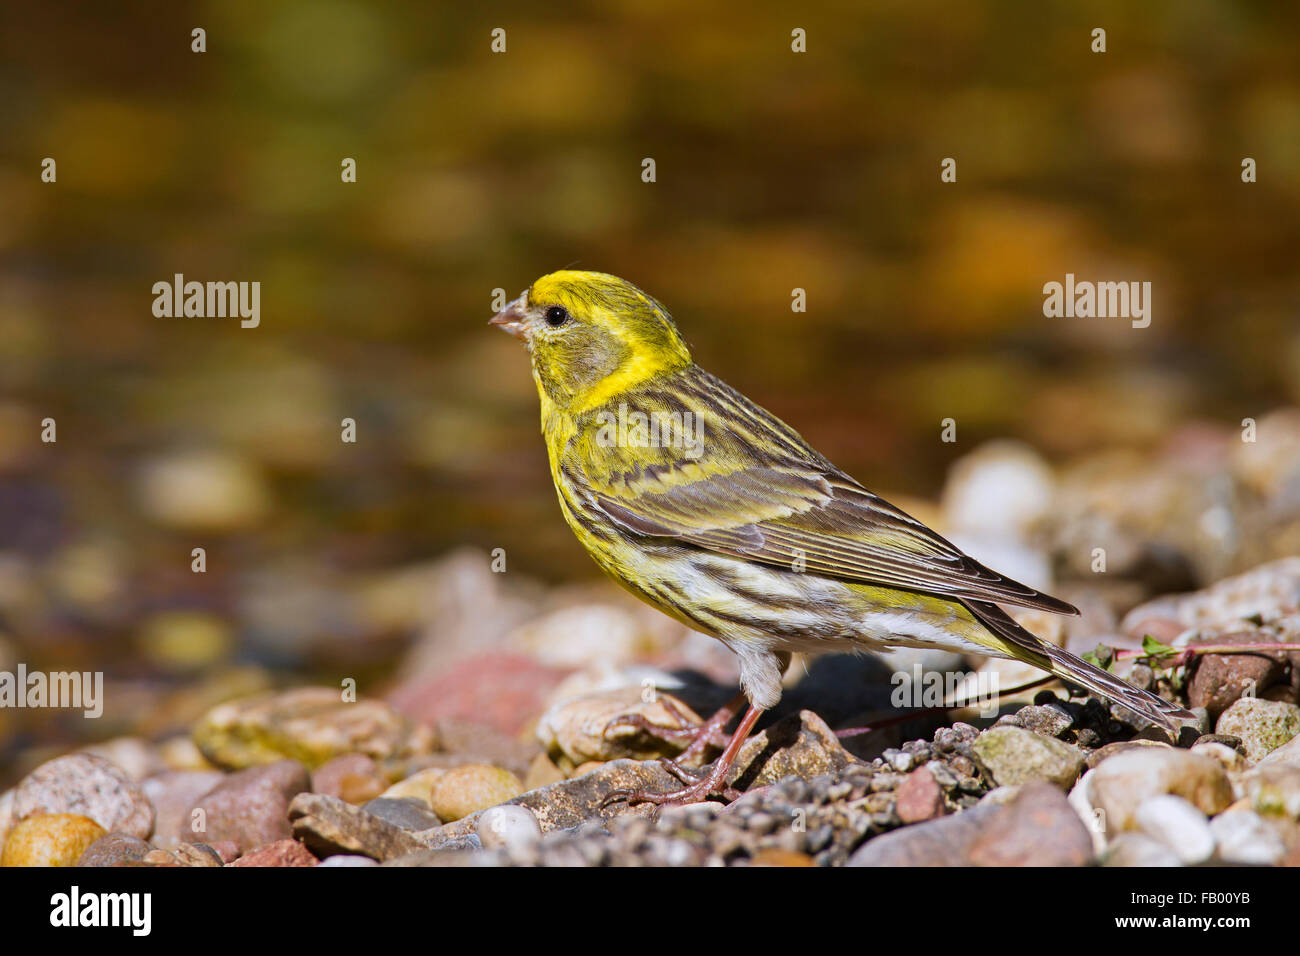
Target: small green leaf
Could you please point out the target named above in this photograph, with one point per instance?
(1153, 648)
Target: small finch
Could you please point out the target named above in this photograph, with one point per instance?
(717, 513)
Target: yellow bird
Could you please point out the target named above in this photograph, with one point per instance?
(716, 512)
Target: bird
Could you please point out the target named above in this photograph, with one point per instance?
(716, 512)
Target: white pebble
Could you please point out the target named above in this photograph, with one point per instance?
(346, 859)
(1178, 825)
(1244, 837)
(1001, 485)
(678, 853)
(900, 760)
(1138, 849)
(1080, 799)
(508, 825)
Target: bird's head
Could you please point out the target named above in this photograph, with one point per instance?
(591, 336)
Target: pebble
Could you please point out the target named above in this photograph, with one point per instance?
(1138, 849)
(405, 813)
(946, 740)
(1000, 795)
(418, 786)
(501, 689)
(598, 676)
(353, 777)
(1274, 790)
(507, 826)
(1178, 825)
(920, 797)
(248, 807)
(88, 785)
(1120, 746)
(1287, 755)
(472, 742)
(160, 858)
(1036, 828)
(184, 642)
(134, 756)
(1267, 592)
(344, 859)
(50, 839)
(583, 634)
(799, 745)
(580, 728)
(775, 857)
(1221, 679)
(941, 772)
(1050, 720)
(309, 724)
(542, 772)
(900, 760)
(1271, 468)
(999, 487)
(328, 826)
(279, 853)
(1013, 755)
(572, 803)
(181, 753)
(1094, 820)
(228, 850)
(1244, 837)
(113, 849)
(173, 794)
(197, 854)
(1262, 725)
(472, 787)
(202, 490)
(942, 842)
(1227, 757)
(1120, 784)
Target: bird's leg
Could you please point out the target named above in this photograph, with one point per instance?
(710, 733)
(713, 784)
(699, 737)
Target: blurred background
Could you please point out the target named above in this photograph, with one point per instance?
(478, 171)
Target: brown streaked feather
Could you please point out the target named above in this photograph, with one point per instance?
(1068, 667)
(764, 495)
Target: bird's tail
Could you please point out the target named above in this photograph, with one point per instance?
(1022, 645)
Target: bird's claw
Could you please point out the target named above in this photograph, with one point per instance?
(659, 731)
(697, 789)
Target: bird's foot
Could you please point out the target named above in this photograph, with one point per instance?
(697, 789)
(697, 737)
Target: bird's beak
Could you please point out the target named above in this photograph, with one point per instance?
(510, 319)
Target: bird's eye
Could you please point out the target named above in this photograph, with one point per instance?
(556, 316)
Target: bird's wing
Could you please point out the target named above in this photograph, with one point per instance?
(757, 491)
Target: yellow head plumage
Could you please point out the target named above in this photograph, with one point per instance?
(591, 335)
